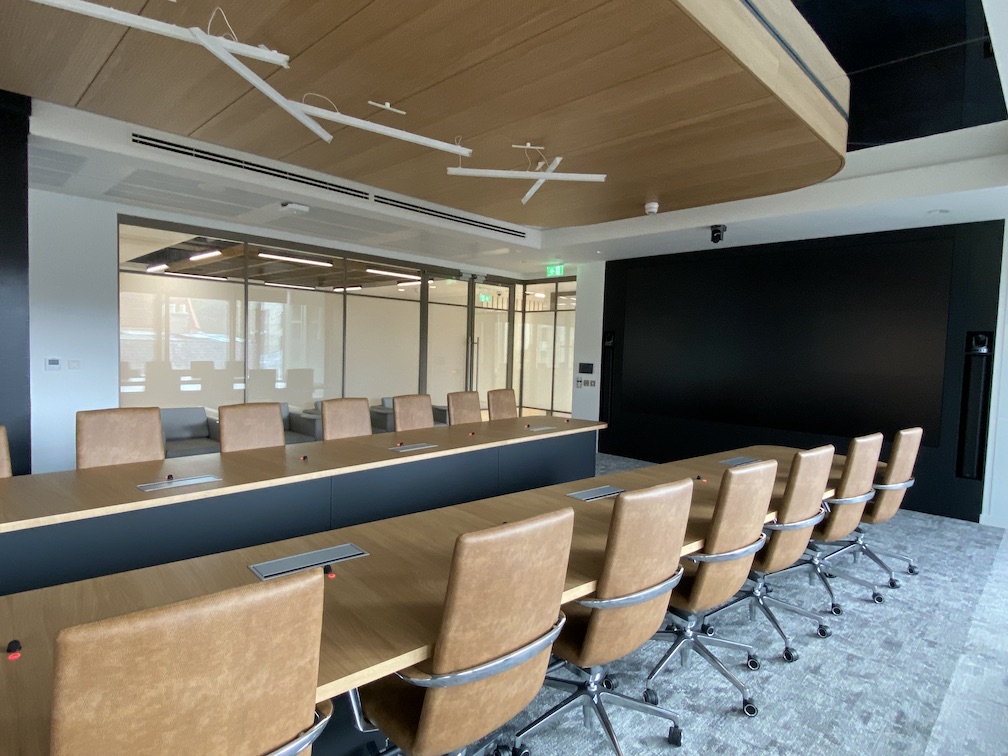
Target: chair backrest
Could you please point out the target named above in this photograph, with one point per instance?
(412, 411)
(5, 462)
(739, 514)
(345, 418)
(855, 480)
(232, 672)
(119, 436)
(501, 404)
(254, 425)
(504, 591)
(802, 500)
(464, 407)
(899, 469)
(645, 539)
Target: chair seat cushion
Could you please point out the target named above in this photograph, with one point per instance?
(572, 638)
(290, 437)
(394, 706)
(188, 447)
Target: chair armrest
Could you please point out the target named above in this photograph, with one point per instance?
(213, 425)
(307, 425)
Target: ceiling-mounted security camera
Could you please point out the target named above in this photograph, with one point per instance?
(717, 233)
(650, 208)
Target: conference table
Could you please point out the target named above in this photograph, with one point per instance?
(66, 526)
(382, 611)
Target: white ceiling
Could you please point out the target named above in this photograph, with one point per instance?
(894, 186)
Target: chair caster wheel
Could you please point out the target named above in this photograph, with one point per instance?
(790, 655)
(503, 751)
(836, 609)
(768, 589)
(519, 751)
(829, 576)
(749, 708)
(913, 569)
(823, 631)
(707, 630)
(753, 662)
(878, 598)
(675, 736)
(610, 683)
(894, 583)
(650, 696)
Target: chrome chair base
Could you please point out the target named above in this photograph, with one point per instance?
(756, 598)
(685, 639)
(821, 566)
(860, 547)
(592, 694)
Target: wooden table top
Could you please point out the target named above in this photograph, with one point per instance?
(31, 501)
(382, 611)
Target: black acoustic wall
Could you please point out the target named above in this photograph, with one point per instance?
(808, 343)
(15, 390)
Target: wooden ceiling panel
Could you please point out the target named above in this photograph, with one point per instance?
(389, 57)
(529, 94)
(40, 51)
(176, 86)
(684, 101)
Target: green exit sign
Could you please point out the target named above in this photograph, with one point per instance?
(554, 270)
(484, 298)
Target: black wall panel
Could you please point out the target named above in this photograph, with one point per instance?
(15, 387)
(805, 343)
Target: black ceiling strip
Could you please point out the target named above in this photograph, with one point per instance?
(796, 57)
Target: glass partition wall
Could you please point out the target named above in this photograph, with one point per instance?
(206, 321)
(546, 348)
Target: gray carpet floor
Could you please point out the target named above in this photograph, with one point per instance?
(924, 672)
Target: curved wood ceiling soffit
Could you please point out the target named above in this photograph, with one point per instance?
(683, 102)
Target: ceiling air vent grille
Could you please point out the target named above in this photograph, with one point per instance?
(410, 207)
(247, 165)
(213, 157)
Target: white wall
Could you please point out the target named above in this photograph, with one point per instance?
(995, 497)
(588, 341)
(74, 315)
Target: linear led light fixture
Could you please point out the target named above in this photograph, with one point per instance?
(164, 29)
(341, 289)
(205, 255)
(157, 268)
(290, 286)
(592, 178)
(377, 128)
(409, 283)
(195, 275)
(539, 182)
(213, 44)
(392, 274)
(298, 260)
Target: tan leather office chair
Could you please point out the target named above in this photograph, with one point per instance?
(119, 436)
(254, 425)
(5, 461)
(464, 407)
(412, 411)
(500, 619)
(894, 478)
(232, 672)
(853, 490)
(501, 404)
(345, 418)
(735, 535)
(799, 510)
(640, 570)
